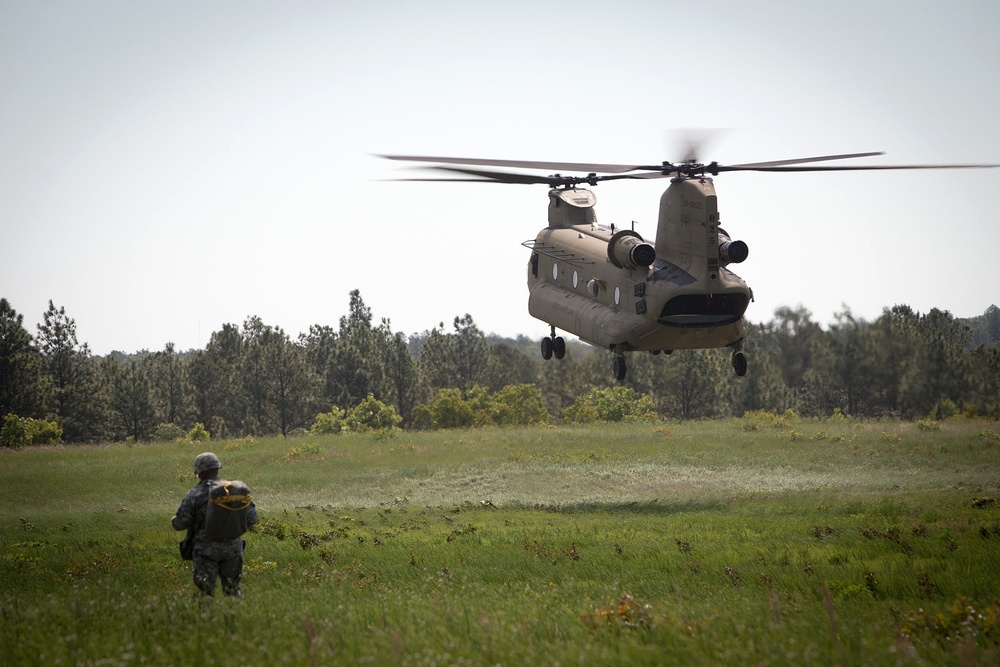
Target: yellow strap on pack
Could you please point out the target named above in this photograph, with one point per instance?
(241, 502)
(232, 503)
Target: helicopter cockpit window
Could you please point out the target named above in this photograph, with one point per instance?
(534, 264)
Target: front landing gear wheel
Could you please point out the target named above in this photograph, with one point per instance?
(547, 348)
(620, 368)
(740, 363)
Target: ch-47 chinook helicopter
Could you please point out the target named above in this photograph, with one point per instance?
(615, 290)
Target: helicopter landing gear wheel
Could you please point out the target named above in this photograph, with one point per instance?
(547, 348)
(553, 345)
(620, 367)
(558, 347)
(740, 363)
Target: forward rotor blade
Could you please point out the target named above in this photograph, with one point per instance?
(555, 180)
(821, 158)
(648, 175)
(445, 180)
(508, 177)
(486, 176)
(520, 164)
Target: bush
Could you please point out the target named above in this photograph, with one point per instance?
(617, 404)
(480, 402)
(372, 414)
(198, 433)
(332, 422)
(837, 416)
(168, 433)
(519, 404)
(945, 410)
(446, 410)
(761, 420)
(928, 425)
(19, 432)
(990, 438)
(515, 404)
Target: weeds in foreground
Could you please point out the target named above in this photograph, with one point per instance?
(717, 545)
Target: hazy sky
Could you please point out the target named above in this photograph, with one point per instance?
(169, 167)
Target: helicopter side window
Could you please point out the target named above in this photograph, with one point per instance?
(534, 264)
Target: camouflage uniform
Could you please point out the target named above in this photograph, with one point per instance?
(213, 559)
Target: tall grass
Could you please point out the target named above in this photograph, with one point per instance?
(805, 543)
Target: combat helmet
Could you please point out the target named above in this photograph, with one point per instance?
(205, 462)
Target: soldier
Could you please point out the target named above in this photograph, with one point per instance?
(213, 558)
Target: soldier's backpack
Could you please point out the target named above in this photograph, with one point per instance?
(226, 513)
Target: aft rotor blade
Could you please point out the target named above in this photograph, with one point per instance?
(876, 167)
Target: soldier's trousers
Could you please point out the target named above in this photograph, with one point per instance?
(208, 570)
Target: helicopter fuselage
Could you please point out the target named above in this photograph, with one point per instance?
(614, 290)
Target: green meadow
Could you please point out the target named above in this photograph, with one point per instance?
(744, 541)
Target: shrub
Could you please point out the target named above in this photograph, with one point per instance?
(481, 403)
(837, 416)
(423, 419)
(446, 410)
(14, 432)
(198, 433)
(519, 404)
(928, 425)
(616, 404)
(329, 422)
(372, 414)
(515, 404)
(19, 432)
(989, 438)
(239, 444)
(760, 420)
(945, 410)
(168, 433)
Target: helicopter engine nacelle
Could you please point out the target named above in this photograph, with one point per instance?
(731, 251)
(626, 248)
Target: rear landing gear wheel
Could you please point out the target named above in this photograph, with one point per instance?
(740, 363)
(620, 367)
(559, 347)
(547, 348)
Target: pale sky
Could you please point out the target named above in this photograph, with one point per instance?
(166, 168)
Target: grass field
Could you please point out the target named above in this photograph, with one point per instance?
(816, 542)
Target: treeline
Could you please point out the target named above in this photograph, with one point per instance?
(255, 379)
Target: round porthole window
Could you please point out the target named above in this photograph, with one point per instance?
(618, 295)
(576, 279)
(555, 271)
